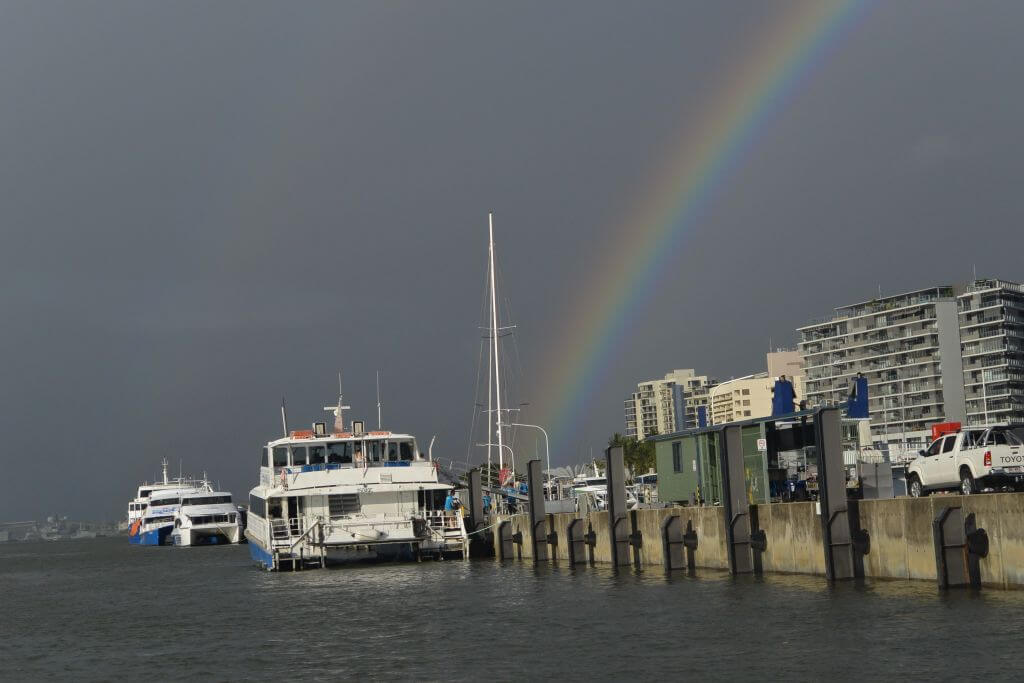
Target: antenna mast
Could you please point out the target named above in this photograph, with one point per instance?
(494, 332)
(339, 410)
(284, 418)
(378, 400)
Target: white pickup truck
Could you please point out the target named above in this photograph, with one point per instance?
(971, 460)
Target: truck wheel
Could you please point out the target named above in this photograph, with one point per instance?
(914, 487)
(966, 483)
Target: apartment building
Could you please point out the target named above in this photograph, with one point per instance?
(663, 406)
(908, 348)
(991, 317)
(741, 399)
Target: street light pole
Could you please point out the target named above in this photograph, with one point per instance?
(547, 451)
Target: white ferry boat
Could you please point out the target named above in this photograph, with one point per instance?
(155, 524)
(206, 518)
(349, 496)
(156, 512)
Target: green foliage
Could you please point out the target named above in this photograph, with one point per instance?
(638, 455)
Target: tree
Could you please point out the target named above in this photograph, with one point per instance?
(638, 455)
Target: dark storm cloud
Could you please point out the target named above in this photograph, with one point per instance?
(205, 206)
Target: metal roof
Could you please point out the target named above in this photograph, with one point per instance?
(741, 423)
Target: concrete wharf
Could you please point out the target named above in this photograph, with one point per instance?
(975, 540)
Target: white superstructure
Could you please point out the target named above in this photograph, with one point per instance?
(347, 496)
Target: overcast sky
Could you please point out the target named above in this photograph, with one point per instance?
(207, 205)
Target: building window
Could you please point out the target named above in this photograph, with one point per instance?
(677, 457)
(746, 392)
(746, 413)
(746, 402)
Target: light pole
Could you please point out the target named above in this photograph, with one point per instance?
(711, 396)
(547, 451)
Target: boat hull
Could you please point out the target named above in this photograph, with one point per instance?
(161, 536)
(339, 555)
(218, 536)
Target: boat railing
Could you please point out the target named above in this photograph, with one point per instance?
(444, 519)
(315, 526)
(283, 529)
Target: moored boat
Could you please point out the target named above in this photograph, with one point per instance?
(206, 518)
(326, 498)
(155, 512)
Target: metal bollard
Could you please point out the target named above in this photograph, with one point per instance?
(577, 542)
(959, 545)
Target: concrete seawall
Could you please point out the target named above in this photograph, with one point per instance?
(900, 531)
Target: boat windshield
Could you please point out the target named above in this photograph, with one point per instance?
(213, 519)
(206, 500)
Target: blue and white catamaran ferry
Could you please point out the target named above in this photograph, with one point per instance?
(181, 512)
(346, 496)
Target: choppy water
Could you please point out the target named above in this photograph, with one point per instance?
(99, 609)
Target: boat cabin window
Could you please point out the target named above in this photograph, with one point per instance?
(339, 453)
(317, 455)
(160, 502)
(298, 455)
(357, 450)
(375, 450)
(344, 504)
(159, 520)
(400, 451)
(280, 456)
(263, 459)
(144, 493)
(257, 506)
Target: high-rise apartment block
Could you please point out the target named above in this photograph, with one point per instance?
(946, 353)
(992, 339)
(663, 406)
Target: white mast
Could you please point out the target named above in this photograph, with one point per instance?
(490, 392)
(494, 332)
(378, 400)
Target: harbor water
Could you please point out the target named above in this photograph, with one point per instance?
(100, 609)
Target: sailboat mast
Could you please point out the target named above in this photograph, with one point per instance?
(490, 395)
(494, 333)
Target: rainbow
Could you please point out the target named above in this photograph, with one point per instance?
(698, 164)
